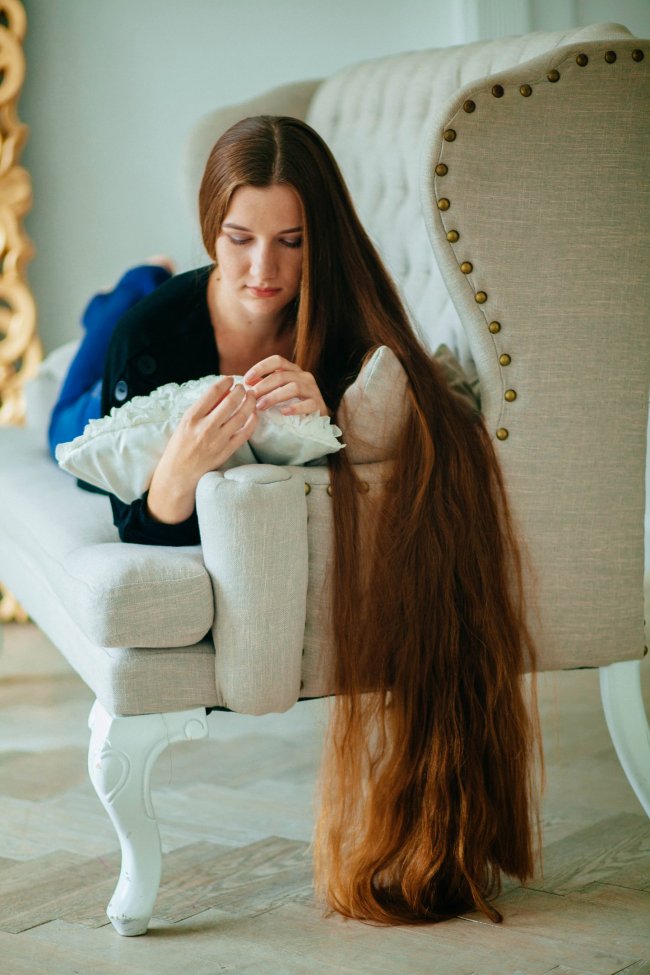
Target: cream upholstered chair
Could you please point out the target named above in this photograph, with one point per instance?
(524, 163)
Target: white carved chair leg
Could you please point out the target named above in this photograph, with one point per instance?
(620, 689)
(121, 757)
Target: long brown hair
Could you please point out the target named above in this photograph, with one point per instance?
(427, 788)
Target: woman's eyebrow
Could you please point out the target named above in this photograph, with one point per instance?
(236, 226)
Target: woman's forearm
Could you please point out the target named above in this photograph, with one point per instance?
(170, 498)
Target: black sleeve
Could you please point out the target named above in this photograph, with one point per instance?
(136, 525)
(143, 354)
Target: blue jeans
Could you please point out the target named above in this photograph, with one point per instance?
(80, 397)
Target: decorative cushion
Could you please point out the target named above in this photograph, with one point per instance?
(119, 452)
(373, 408)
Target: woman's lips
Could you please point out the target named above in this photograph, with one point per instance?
(263, 292)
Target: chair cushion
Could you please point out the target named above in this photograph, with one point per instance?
(120, 595)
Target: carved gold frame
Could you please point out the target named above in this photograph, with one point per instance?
(20, 348)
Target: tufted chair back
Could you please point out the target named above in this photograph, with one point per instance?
(373, 115)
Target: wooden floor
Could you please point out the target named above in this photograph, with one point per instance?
(236, 820)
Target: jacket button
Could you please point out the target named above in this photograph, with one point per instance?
(146, 365)
(121, 391)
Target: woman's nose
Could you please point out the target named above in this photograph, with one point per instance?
(263, 262)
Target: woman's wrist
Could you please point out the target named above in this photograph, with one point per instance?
(168, 501)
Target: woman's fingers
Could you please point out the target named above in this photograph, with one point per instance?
(242, 406)
(279, 394)
(280, 377)
(211, 398)
(265, 366)
(276, 380)
(244, 432)
(305, 406)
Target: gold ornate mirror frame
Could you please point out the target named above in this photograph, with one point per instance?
(20, 348)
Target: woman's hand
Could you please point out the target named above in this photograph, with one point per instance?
(275, 380)
(209, 432)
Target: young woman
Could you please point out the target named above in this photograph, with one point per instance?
(427, 789)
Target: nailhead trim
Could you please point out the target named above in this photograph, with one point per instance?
(466, 267)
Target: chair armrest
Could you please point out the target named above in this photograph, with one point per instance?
(253, 523)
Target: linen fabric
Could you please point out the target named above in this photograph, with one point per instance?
(254, 519)
(559, 248)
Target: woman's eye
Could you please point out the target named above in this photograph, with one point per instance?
(238, 240)
(296, 242)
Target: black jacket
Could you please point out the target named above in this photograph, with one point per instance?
(166, 337)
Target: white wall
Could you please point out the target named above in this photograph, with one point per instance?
(113, 87)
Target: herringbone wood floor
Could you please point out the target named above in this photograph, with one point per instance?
(236, 819)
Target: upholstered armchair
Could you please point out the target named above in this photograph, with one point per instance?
(505, 184)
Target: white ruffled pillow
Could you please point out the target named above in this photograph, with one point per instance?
(120, 452)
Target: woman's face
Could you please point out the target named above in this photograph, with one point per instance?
(259, 251)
